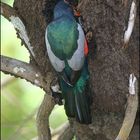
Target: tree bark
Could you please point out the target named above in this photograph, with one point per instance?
(109, 63)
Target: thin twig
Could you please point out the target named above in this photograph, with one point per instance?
(23, 70)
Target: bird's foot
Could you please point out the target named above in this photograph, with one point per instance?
(56, 92)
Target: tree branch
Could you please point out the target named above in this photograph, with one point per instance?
(43, 118)
(9, 13)
(23, 70)
(131, 110)
(29, 72)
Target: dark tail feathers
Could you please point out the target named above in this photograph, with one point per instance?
(82, 103)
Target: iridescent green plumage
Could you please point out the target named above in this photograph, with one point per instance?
(65, 30)
(65, 45)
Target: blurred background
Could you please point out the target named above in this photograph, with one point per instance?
(20, 100)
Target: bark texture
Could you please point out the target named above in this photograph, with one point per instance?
(110, 65)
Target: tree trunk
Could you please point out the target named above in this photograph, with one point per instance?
(109, 63)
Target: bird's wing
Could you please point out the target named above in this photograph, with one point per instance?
(77, 60)
(57, 63)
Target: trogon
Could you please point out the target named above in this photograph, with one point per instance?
(67, 51)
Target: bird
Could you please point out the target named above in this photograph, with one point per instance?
(67, 51)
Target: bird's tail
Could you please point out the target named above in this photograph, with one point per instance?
(69, 104)
(68, 96)
(83, 97)
(77, 102)
(77, 98)
(82, 103)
